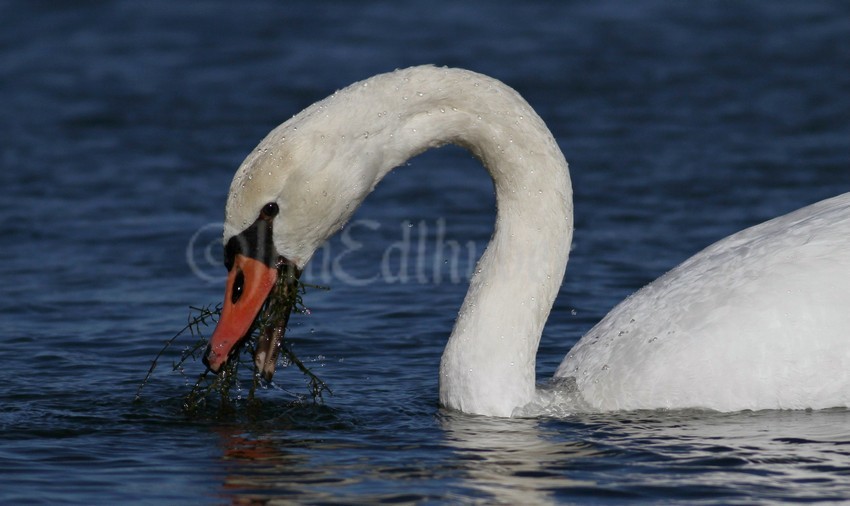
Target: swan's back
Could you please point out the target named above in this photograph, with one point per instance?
(759, 320)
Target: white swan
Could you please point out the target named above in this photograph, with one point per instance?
(759, 320)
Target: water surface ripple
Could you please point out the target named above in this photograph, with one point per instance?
(124, 121)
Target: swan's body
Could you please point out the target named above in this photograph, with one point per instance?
(759, 320)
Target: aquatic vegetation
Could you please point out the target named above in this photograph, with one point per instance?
(267, 333)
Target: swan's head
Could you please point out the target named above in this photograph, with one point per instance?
(288, 197)
(300, 186)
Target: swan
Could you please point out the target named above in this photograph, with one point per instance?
(759, 320)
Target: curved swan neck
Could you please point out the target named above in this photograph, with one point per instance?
(329, 157)
(488, 366)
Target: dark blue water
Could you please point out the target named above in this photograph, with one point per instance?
(122, 123)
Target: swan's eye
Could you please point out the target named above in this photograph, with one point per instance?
(270, 210)
(238, 285)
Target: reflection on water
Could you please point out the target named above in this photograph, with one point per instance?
(505, 461)
(259, 466)
(689, 454)
(675, 455)
(511, 461)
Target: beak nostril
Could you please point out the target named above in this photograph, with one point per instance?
(249, 285)
(238, 287)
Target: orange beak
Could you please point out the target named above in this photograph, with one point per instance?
(248, 286)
